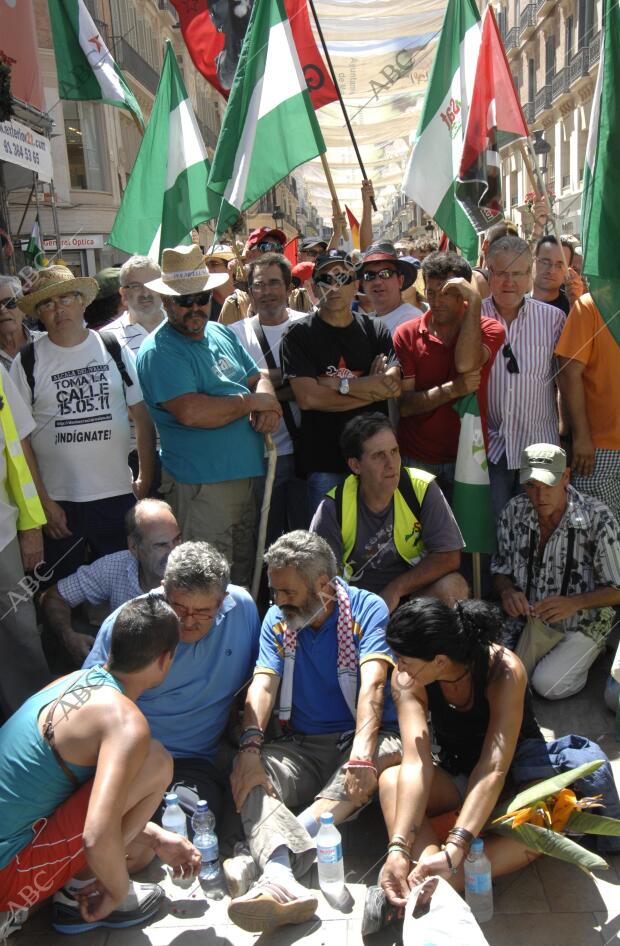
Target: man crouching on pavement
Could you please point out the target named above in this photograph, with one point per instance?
(322, 646)
(80, 778)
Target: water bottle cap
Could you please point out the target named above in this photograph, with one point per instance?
(171, 798)
(202, 806)
(477, 845)
(327, 818)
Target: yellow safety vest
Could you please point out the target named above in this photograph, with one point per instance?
(20, 484)
(408, 499)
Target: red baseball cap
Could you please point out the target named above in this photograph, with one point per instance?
(303, 271)
(263, 234)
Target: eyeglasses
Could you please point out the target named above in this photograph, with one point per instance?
(268, 247)
(512, 366)
(201, 614)
(8, 303)
(136, 285)
(50, 304)
(193, 298)
(369, 275)
(514, 275)
(337, 279)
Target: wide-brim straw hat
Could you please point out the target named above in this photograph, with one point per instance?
(55, 281)
(219, 251)
(183, 271)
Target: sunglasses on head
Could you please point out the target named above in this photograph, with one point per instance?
(269, 247)
(370, 276)
(8, 303)
(512, 366)
(187, 301)
(339, 279)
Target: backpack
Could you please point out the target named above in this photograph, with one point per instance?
(112, 346)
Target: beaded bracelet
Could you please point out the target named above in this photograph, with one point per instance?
(250, 748)
(252, 732)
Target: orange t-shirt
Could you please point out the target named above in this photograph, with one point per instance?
(587, 339)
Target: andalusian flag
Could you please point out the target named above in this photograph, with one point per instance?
(270, 126)
(600, 203)
(34, 250)
(433, 166)
(166, 195)
(85, 68)
(471, 499)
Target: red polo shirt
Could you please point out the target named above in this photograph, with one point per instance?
(434, 437)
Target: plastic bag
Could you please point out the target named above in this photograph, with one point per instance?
(447, 921)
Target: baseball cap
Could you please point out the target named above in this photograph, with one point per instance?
(543, 462)
(303, 271)
(309, 242)
(263, 234)
(333, 256)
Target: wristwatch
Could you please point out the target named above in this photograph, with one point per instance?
(343, 387)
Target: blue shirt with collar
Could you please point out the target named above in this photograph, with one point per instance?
(170, 365)
(189, 711)
(318, 704)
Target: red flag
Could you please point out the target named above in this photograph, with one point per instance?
(290, 251)
(494, 120)
(213, 31)
(354, 228)
(444, 243)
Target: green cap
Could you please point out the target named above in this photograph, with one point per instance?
(543, 462)
(109, 281)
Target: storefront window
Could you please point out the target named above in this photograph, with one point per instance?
(85, 146)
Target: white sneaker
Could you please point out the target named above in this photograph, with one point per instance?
(11, 922)
(240, 871)
(268, 904)
(141, 904)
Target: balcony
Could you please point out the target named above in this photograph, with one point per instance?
(527, 21)
(559, 85)
(511, 40)
(578, 66)
(127, 58)
(542, 100)
(544, 6)
(594, 51)
(528, 111)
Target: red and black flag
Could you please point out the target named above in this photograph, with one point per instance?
(495, 119)
(214, 30)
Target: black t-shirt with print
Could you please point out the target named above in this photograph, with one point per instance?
(311, 348)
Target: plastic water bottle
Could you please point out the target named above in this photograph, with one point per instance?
(174, 819)
(205, 839)
(478, 886)
(329, 857)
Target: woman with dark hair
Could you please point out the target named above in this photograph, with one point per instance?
(451, 665)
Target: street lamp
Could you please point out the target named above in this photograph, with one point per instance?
(541, 150)
(278, 216)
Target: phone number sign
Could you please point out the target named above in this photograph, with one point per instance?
(22, 146)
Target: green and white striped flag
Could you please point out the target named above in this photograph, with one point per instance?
(270, 126)
(166, 195)
(34, 250)
(433, 166)
(85, 68)
(471, 499)
(600, 204)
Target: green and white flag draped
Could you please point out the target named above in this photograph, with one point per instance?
(85, 68)
(270, 126)
(166, 194)
(471, 499)
(600, 204)
(433, 166)
(34, 250)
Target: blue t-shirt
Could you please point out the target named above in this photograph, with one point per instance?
(189, 711)
(170, 365)
(318, 703)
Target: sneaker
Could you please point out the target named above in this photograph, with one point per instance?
(240, 871)
(11, 921)
(268, 904)
(141, 904)
(378, 911)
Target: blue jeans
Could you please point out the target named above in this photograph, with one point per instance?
(443, 471)
(504, 485)
(317, 485)
(535, 760)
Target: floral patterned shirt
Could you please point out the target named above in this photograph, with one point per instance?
(595, 557)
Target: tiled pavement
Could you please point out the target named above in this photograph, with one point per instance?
(547, 904)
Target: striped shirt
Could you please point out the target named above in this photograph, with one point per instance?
(522, 406)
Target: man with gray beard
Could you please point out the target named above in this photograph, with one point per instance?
(322, 648)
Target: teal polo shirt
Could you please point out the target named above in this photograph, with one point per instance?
(170, 365)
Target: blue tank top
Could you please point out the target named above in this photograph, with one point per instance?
(32, 783)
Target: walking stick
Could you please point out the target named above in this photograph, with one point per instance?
(264, 514)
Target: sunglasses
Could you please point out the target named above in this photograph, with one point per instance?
(268, 247)
(8, 303)
(370, 276)
(511, 364)
(192, 298)
(340, 279)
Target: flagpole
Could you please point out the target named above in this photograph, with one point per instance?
(35, 178)
(531, 165)
(340, 99)
(330, 184)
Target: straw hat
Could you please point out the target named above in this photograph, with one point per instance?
(220, 251)
(57, 281)
(183, 271)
